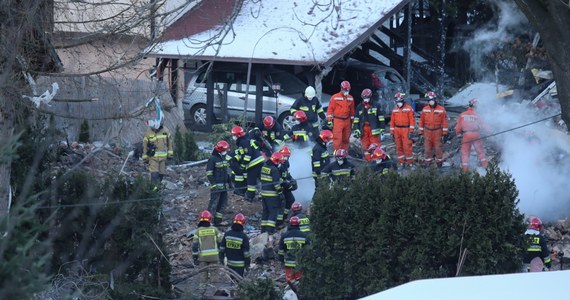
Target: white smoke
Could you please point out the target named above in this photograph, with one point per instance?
(301, 169)
(490, 37)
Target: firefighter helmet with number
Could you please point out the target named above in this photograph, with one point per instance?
(222, 146)
(294, 221)
(268, 122)
(310, 92)
(378, 154)
(345, 86)
(276, 158)
(300, 116)
(297, 206)
(285, 151)
(366, 94)
(341, 153)
(238, 131)
(535, 223)
(206, 216)
(400, 97)
(240, 219)
(326, 135)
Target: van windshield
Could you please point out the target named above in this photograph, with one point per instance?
(290, 85)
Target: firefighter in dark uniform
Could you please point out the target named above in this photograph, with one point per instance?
(302, 131)
(271, 189)
(368, 121)
(339, 169)
(320, 156)
(273, 132)
(256, 136)
(238, 173)
(250, 159)
(289, 185)
(311, 106)
(291, 241)
(235, 246)
(381, 162)
(217, 173)
(537, 244)
(304, 222)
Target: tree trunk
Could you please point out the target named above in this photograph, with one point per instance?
(552, 20)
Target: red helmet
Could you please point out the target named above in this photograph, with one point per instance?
(206, 216)
(473, 102)
(372, 147)
(297, 206)
(366, 94)
(222, 146)
(345, 85)
(431, 95)
(276, 158)
(341, 153)
(535, 223)
(294, 221)
(269, 122)
(399, 97)
(300, 115)
(240, 219)
(238, 131)
(378, 154)
(285, 151)
(326, 135)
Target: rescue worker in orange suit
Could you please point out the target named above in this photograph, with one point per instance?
(320, 157)
(250, 159)
(433, 126)
(469, 125)
(235, 246)
(217, 174)
(368, 121)
(271, 190)
(536, 245)
(312, 107)
(290, 242)
(402, 125)
(340, 115)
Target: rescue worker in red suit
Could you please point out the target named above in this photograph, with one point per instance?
(469, 125)
(340, 115)
(368, 121)
(433, 125)
(402, 125)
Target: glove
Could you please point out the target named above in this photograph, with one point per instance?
(357, 133)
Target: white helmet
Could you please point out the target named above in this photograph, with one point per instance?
(310, 92)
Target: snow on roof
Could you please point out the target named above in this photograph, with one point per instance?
(293, 32)
(483, 91)
(508, 286)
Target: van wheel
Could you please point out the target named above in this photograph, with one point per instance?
(286, 120)
(198, 115)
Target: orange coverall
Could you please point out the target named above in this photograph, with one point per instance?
(433, 124)
(470, 125)
(341, 111)
(403, 123)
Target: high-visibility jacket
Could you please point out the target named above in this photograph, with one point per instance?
(433, 119)
(270, 180)
(338, 172)
(371, 115)
(341, 107)
(312, 108)
(402, 117)
(290, 242)
(304, 222)
(319, 157)
(302, 132)
(157, 144)
(217, 170)
(468, 121)
(536, 247)
(205, 244)
(248, 152)
(235, 246)
(275, 135)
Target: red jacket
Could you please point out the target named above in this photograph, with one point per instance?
(341, 106)
(402, 117)
(433, 119)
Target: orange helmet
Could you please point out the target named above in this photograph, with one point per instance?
(341, 153)
(237, 131)
(535, 223)
(326, 135)
(378, 154)
(285, 151)
(300, 116)
(222, 146)
(269, 122)
(345, 85)
(276, 158)
(294, 221)
(206, 216)
(240, 219)
(296, 206)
